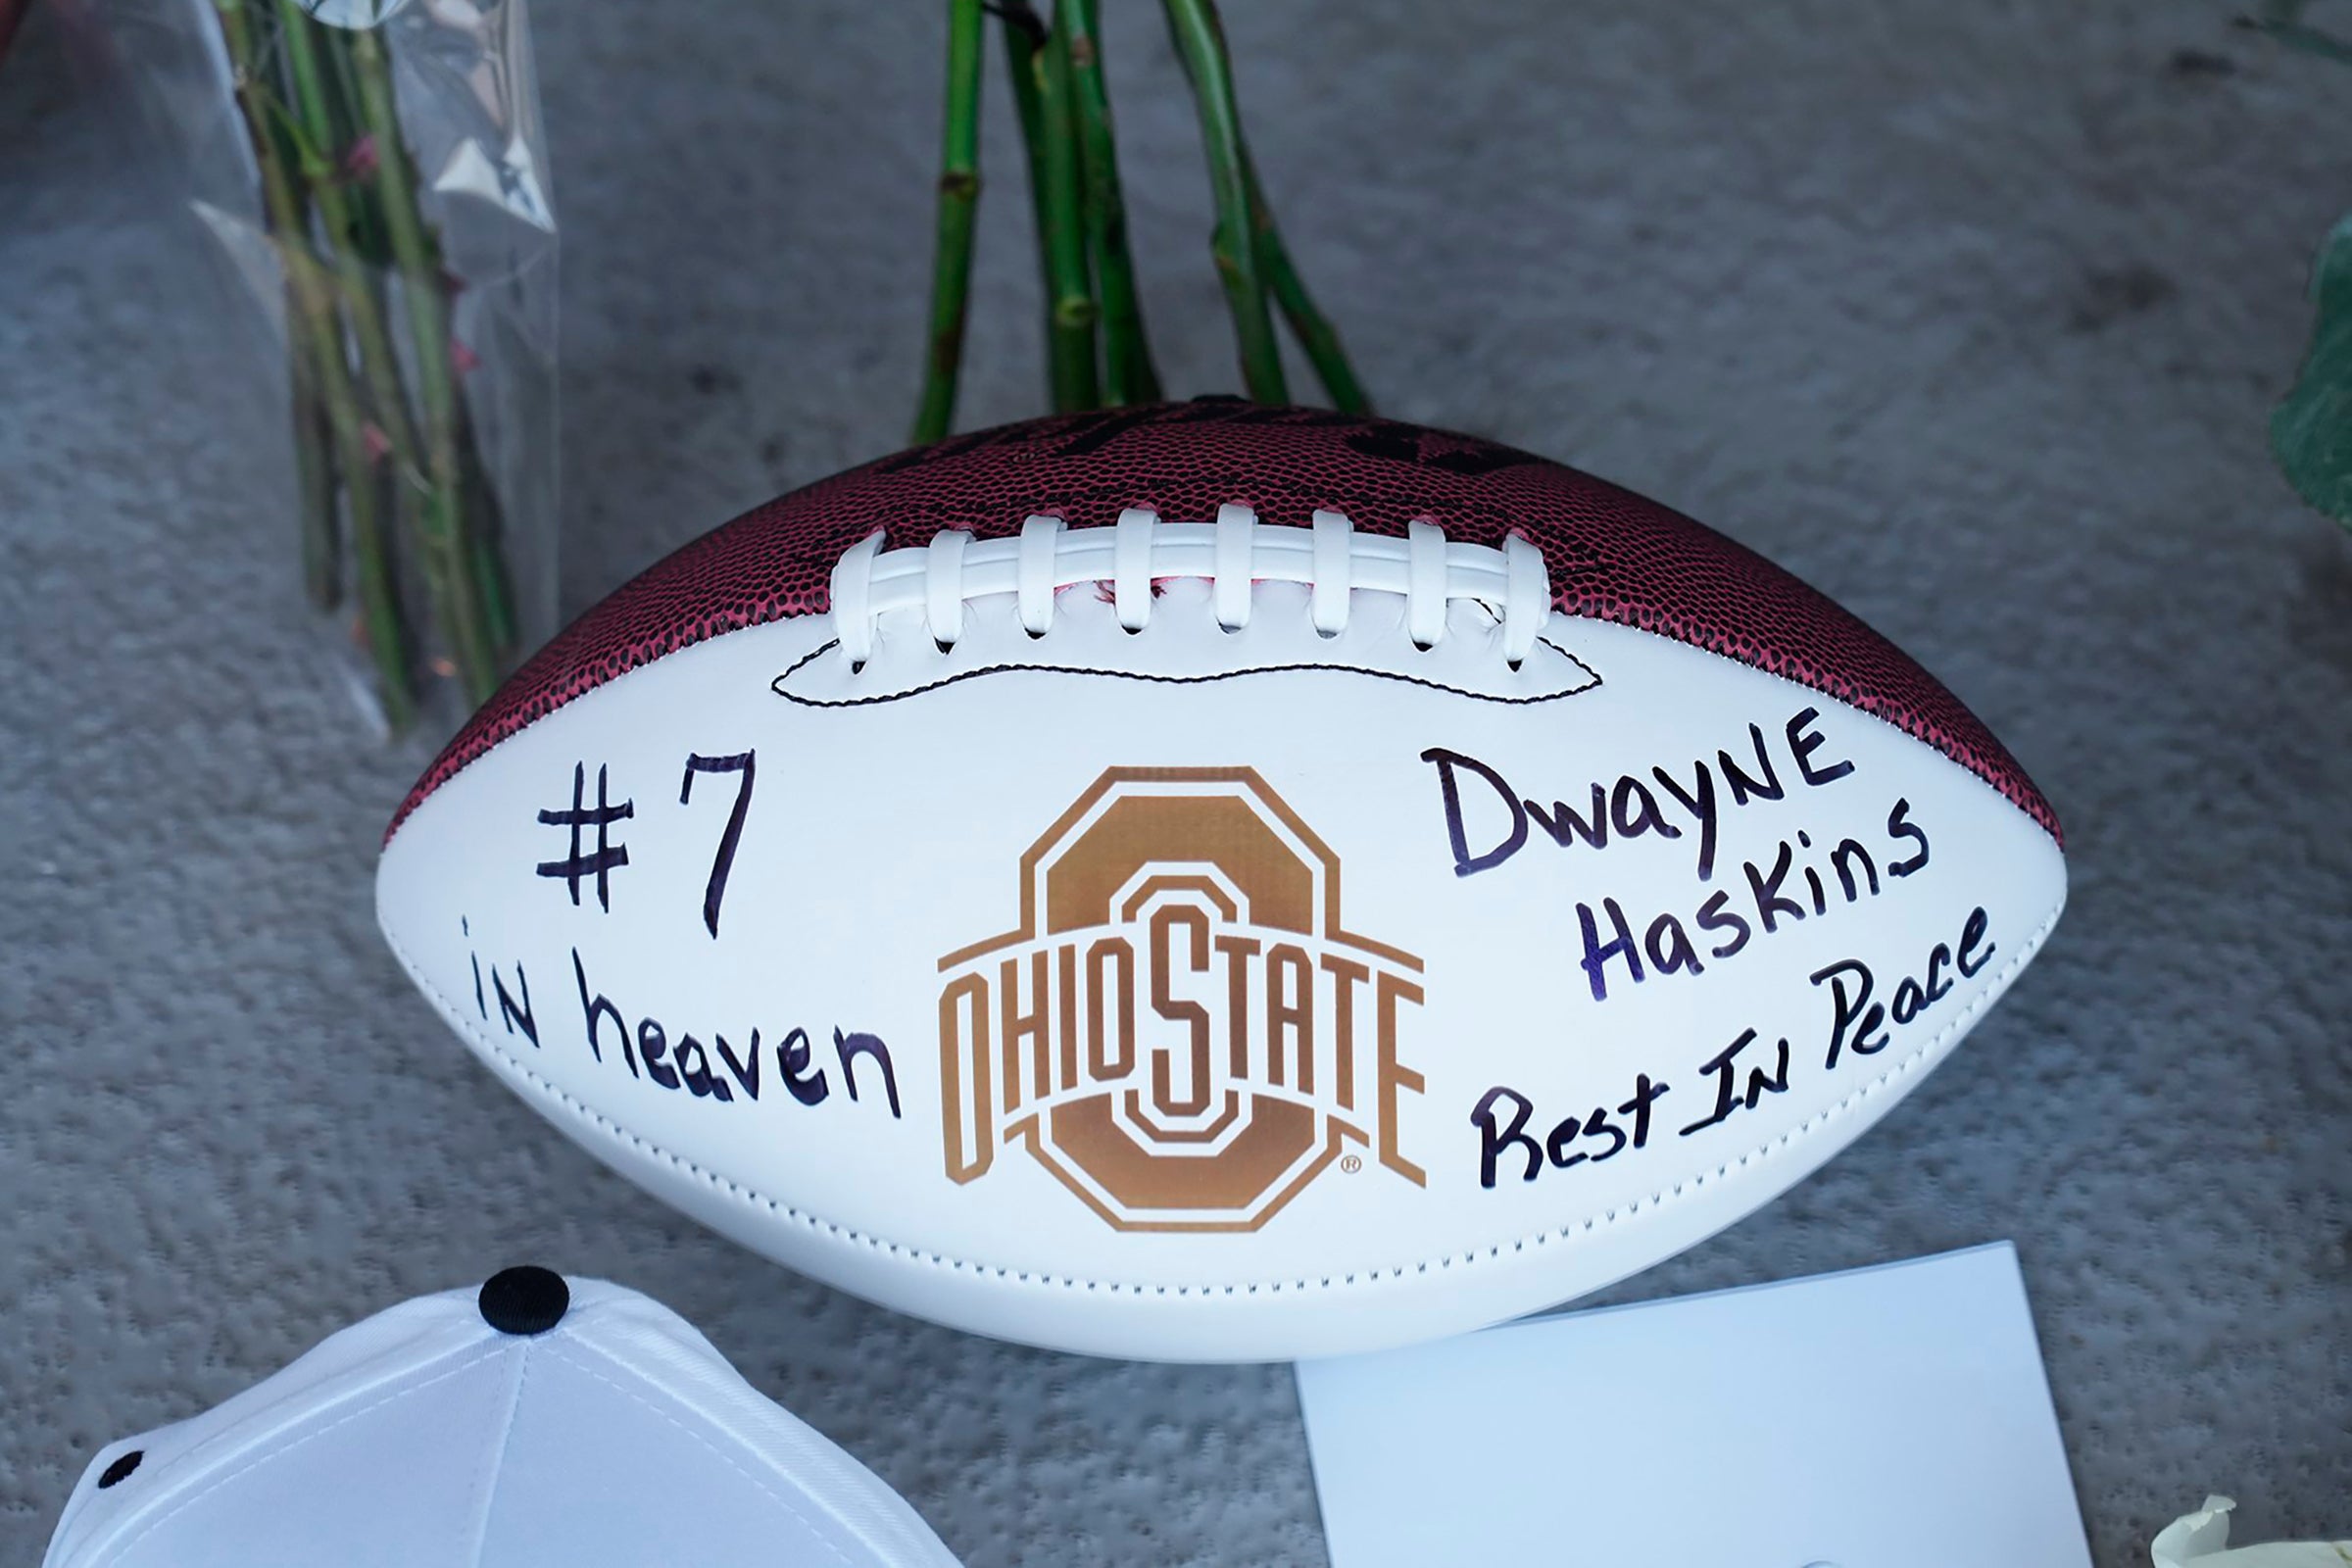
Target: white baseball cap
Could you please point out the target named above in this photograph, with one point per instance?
(531, 1422)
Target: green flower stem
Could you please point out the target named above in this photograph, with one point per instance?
(959, 202)
(489, 550)
(315, 480)
(322, 332)
(314, 434)
(1070, 299)
(474, 644)
(425, 507)
(1316, 335)
(1128, 372)
(1024, 37)
(1200, 45)
(425, 289)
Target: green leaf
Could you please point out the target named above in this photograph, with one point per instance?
(2311, 429)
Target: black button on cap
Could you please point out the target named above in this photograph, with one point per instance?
(120, 1469)
(524, 1301)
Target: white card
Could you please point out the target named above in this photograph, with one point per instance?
(1896, 1415)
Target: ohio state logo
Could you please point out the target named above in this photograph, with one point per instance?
(1181, 1030)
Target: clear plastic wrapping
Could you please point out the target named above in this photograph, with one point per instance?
(374, 172)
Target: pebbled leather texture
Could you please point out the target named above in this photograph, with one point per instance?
(1612, 555)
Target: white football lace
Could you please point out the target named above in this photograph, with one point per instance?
(1233, 552)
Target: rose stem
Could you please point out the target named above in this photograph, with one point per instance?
(1024, 37)
(424, 292)
(958, 201)
(379, 602)
(313, 463)
(315, 478)
(1200, 45)
(423, 504)
(489, 549)
(1316, 334)
(417, 258)
(1126, 349)
(1070, 322)
(478, 502)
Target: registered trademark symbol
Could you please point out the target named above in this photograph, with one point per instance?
(1351, 1163)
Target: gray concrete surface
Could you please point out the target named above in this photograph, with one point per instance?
(1968, 314)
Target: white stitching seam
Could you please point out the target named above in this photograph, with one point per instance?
(1231, 553)
(736, 1189)
(481, 1492)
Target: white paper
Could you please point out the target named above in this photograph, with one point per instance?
(1892, 1417)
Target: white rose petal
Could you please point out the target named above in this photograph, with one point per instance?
(2201, 1539)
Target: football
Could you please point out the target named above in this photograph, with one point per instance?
(1217, 882)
